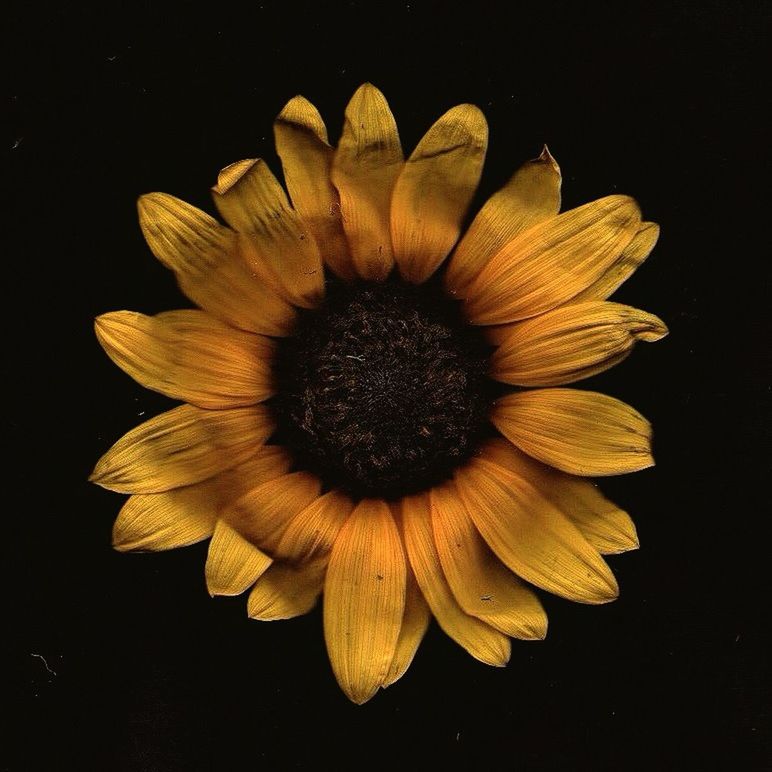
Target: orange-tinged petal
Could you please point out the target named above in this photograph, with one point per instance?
(571, 342)
(415, 621)
(624, 266)
(579, 432)
(478, 638)
(530, 197)
(208, 261)
(252, 201)
(306, 157)
(434, 190)
(365, 167)
(189, 355)
(182, 516)
(364, 599)
(550, 263)
(531, 536)
(182, 446)
(263, 513)
(286, 590)
(312, 532)
(604, 525)
(482, 585)
(233, 565)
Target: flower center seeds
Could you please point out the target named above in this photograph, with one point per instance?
(383, 390)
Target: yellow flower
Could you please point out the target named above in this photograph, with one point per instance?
(346, 429)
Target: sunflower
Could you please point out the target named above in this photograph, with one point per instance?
(360, 424)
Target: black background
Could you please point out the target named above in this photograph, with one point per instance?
(122, 661)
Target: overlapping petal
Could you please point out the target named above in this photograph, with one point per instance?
(553, 262)
(580, 432)
(482, 585)
(531, 536)
(182, 516)
(570, 343)
(232, 564)
(208, 260)
(279, 245)
(433, 192)
(306, 157)
(287, 590)
(481, 640)
(182, 446)
(365, 168)
(364, 599)
(603, 524)
(190, 355)
(530, 197)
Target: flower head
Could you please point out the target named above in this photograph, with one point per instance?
(374, 404)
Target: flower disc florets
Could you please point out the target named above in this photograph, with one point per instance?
(383, 391)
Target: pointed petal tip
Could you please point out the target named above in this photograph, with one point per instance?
(547, 157)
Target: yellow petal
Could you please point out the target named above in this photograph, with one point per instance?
(286, 591)
(624, 266)
(364, 599)
(208, 261)
(571, 342)
(551, 263)
(306, 157)
(233, 565)
(154, 522)
(482, 585)
(604, 525)
(252, 201)
(415, 621)
(176, 518)
(189, 355)
(262, 514)
(530, 197)
(531, 536)
(182, 446)
(479, 639)
(434, 190)
(365, 167)
(313, 531)
(579, 432)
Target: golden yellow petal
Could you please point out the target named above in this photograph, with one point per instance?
(182, 446)
(530, 197)
(262, 514)
(579, 432)
(365, 167)
(208, 261)
(312, 532)
(364, 599)
(155, 522)
(189, 355)
(625, 265)
(604, 525)
(252, 201)
(306, 157)
(182, 516)
(531, 536)
(415, 621)
(434, 190)
(478, 638)
(482, 585)
(571, 342)
(233, 565)
(550, 263)
(286, 591)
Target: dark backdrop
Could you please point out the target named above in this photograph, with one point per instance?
(123, 662)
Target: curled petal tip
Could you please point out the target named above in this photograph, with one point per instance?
(231, 174)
